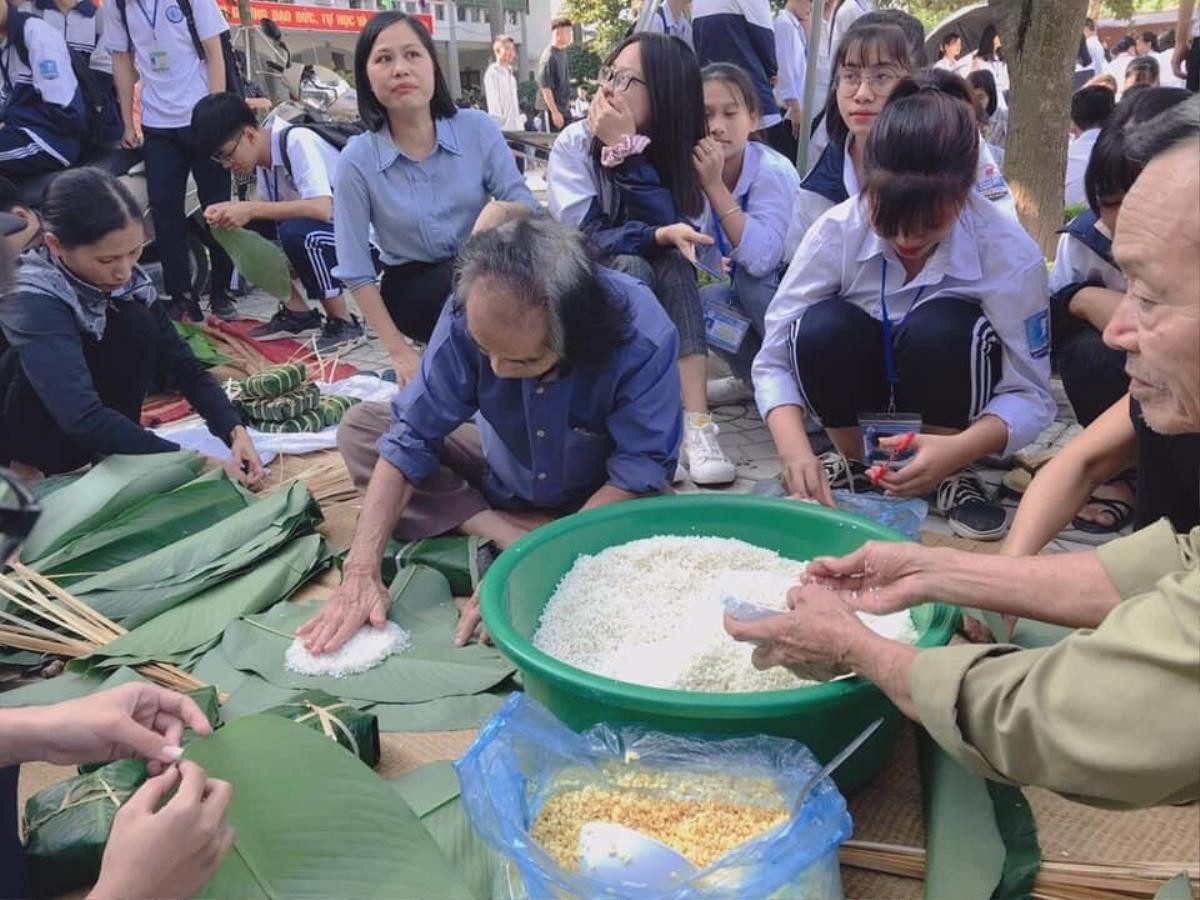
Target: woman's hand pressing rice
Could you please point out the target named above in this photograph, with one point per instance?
(879, 577)
(813, 640)
(360, 599)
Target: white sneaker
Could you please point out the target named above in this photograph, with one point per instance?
(723, 391)
(702, 454)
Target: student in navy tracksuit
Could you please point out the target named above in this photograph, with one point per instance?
(42, 121)
(79, 23)
(627, 177)
(741, 32)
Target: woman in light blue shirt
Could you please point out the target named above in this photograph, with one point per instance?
(418, 179)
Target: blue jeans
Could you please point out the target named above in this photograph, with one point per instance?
(750, 297)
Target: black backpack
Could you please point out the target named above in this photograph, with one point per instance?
(234, 81)
(336, 134)
(98, 106)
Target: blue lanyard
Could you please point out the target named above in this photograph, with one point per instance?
(889, 353)
(723, 244)
(151, 21)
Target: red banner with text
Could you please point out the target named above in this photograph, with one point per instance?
(309, 18)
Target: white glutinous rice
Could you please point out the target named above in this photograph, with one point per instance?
(368, 647)
(650, 612)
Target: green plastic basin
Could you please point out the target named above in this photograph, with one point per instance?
(825, 716)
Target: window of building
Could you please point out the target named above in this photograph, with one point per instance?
(462, 14)
(475, 14)
(512, 17)
(410, 7)
(439, 12)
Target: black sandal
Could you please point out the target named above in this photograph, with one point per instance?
(1120, 510)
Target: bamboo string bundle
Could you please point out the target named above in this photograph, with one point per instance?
(71, 627)
(1055, 880)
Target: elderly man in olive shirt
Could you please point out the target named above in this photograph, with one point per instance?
(1111, 714)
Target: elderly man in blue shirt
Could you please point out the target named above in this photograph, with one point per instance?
(549, 385)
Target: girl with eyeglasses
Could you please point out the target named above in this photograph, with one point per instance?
(89, 337)
(869, 63)
(751, 192)
(626, 176)
(916, 297)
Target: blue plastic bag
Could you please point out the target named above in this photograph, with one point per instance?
(513, 766)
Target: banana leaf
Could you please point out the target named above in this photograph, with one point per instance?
(980, 837)
(431, 669)
(444, 714)
(44, 487)
(198, 622)
(200, 344)
(458, 558)
(67, 686)
(340, 721)
(68, 824)
(139, 590)
(105, 491)
(150, 525)
(248, 694)
(313, 821)
(260, 261)
(434, 794)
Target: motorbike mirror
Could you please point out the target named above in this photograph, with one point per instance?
(270, 29)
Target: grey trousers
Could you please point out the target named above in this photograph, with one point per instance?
(440, 503)
(673, 281)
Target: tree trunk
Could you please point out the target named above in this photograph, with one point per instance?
(496, 18)
(1041, 41)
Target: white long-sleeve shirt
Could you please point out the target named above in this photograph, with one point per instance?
(1079, 151)
(791, 55)
(503, 104)
(766, 191)
(666, 22)
(988, 258)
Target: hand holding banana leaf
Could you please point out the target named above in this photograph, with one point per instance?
(244, 464)
(172, 851)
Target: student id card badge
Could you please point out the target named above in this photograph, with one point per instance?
(875, 426)
(724, 328)
(159, 60)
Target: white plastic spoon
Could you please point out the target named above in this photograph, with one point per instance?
(622, 857)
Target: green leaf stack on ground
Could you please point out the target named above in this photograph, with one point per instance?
(108, 489)
(142, 588)
(313, 821)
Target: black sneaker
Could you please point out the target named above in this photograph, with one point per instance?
(844, 473)
(340, 334)
(221, 306)
(963, 499)
(182, 310)
(287, 324)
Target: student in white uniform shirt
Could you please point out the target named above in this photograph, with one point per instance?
(869, 64)
(791, 55)
(920, 297)
(751, 192)
(500, 86)
(1095, 48)
(1090, 109)
(293, 202)
(990, 57)
(153, 38)
(951, 50)
(80, 24)
(1086, 285)
(627, 178)
(671, 18)
(42, 117)
(845, 14)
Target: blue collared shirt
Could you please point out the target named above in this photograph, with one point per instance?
(418, 211)
(550, 442)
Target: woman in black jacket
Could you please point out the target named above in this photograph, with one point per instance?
(87, 338)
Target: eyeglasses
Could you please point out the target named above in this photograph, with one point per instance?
(879, 80)
(620, 79)
(225, 157)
